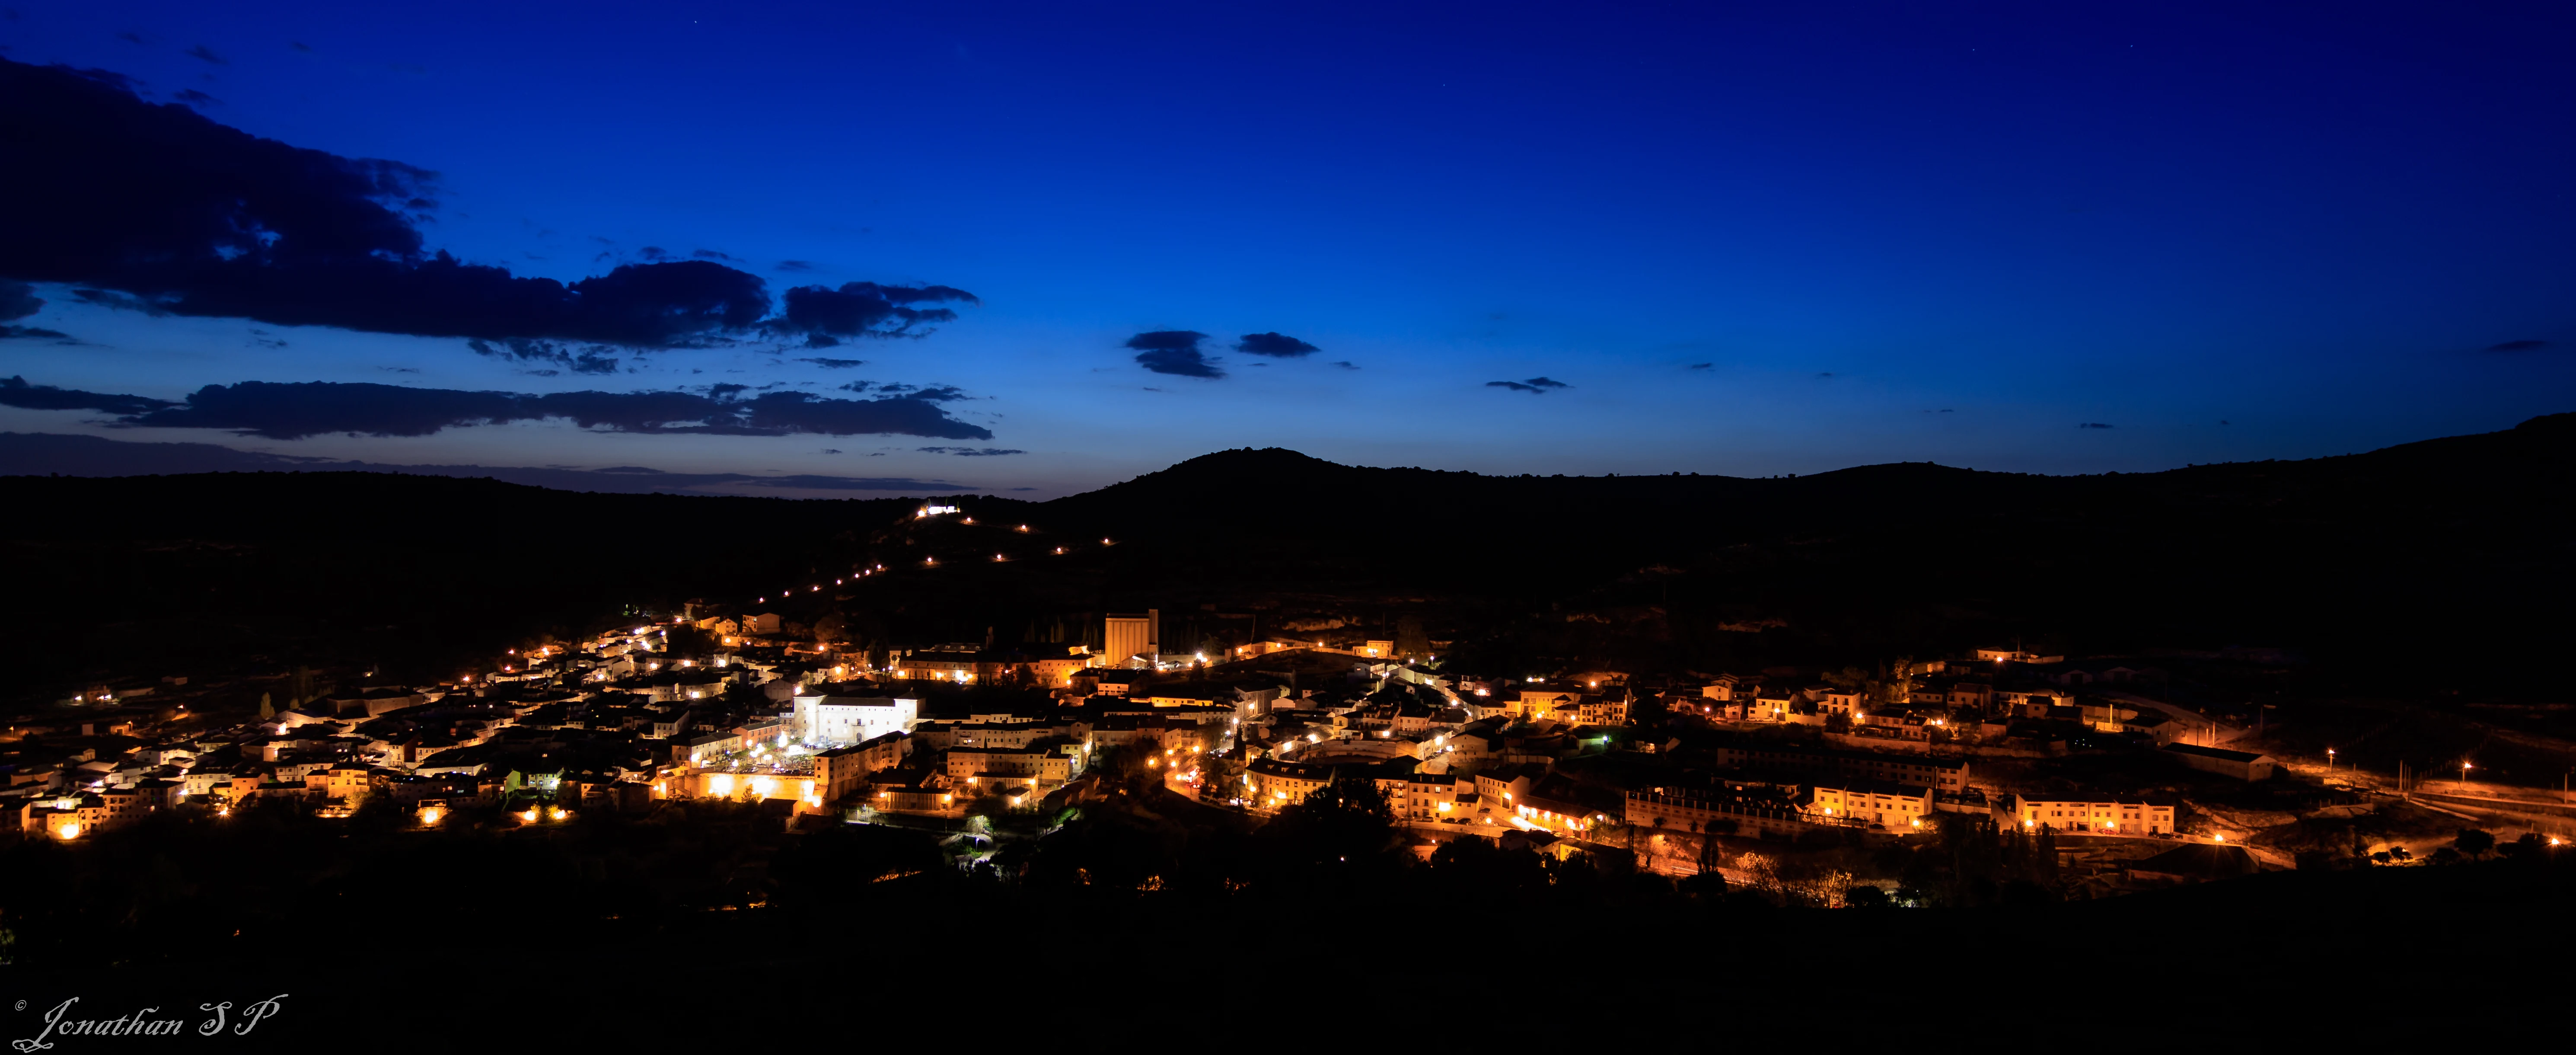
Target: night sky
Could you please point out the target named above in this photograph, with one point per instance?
(1031, 250)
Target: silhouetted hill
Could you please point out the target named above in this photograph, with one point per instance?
(2444, 556)
(2439, 564)
(151, 575)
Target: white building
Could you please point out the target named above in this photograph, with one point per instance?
(851, 719)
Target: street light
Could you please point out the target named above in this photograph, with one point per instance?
(2329, 760)
(2464, 775)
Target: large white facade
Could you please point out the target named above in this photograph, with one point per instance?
(851, 719)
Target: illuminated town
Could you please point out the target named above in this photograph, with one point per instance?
(1792, 786)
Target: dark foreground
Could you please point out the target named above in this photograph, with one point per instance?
(698, 925)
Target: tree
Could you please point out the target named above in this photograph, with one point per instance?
(1897, 685)
(1707, 886)
(830, 628)
(1866, 896)
(1217, 780)
(2527, 849)
(1710, 854)
(2474, 842)
(266, 712)
(1341, 836)
(1410, 641)
(1479, 866)
(1838, 722)
(685, 639)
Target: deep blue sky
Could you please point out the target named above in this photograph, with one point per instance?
(1953, 232)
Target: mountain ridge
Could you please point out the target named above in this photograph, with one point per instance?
(2411, 556)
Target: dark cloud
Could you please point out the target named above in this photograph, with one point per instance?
(300, 46)
(35, 454)
(1703, 366)
(710, 254)
(1175, 352)
(775, 413)
(1347, 364)
(2092, 425)
(1181, 362)
(866, 309)
(288, 411)
(157, 207)
(1275, 345)
(2525, 345)
(16, 392)
(18, 300)
(203, 52)
(1535, 385)
(835, 364)
(969, 452)
(194, 97)
(796, 265)
(15, 332)
(523, 349)
(130, 37)
(932, 393)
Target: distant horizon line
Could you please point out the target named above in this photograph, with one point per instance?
(28, 454)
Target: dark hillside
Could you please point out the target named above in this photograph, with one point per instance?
(171, 574)
(2409, 559)
(2436, 565)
